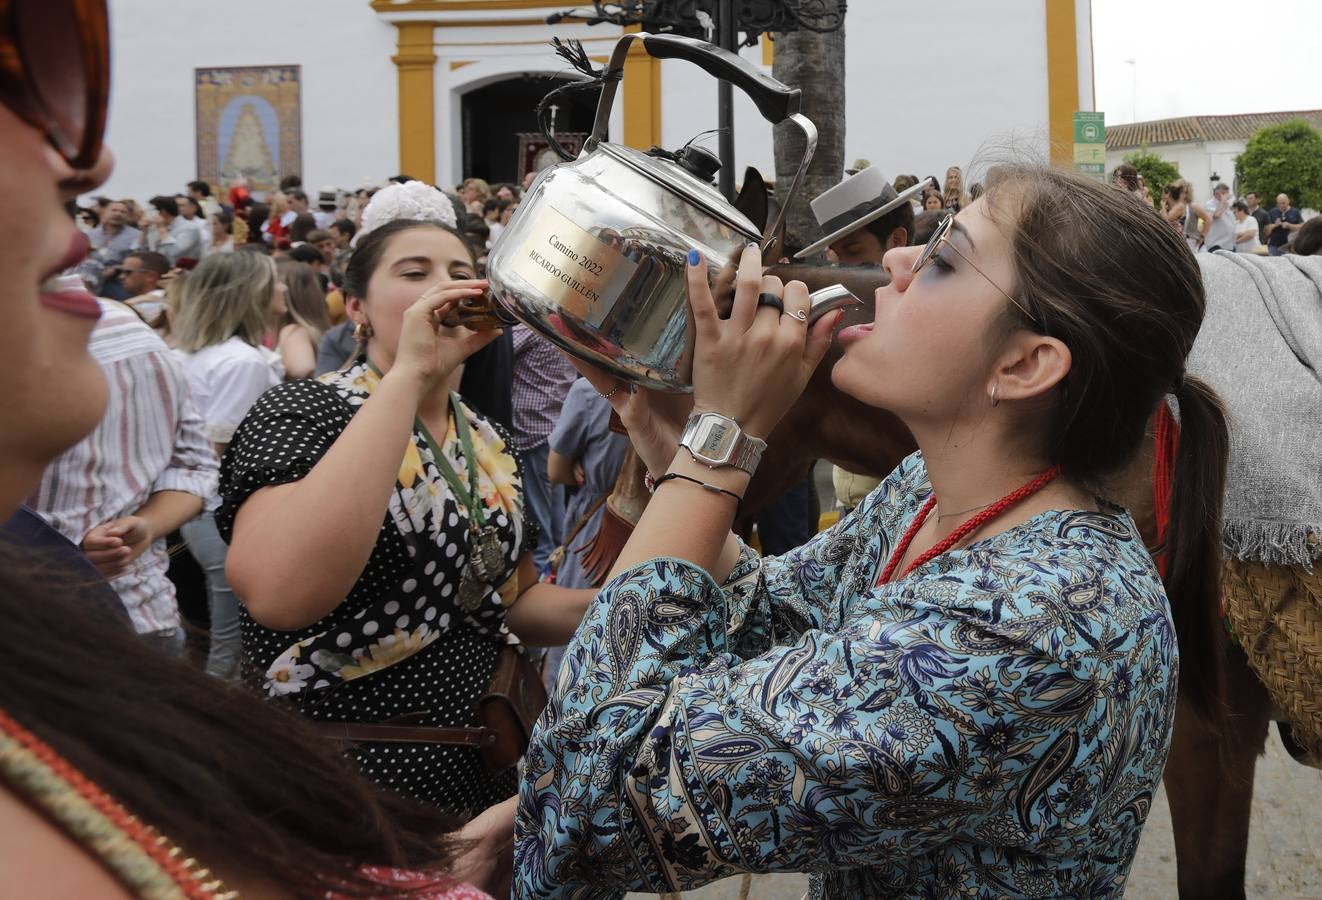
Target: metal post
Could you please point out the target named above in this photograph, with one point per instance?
(726, 38)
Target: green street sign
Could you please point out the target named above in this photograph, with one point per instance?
(1089, 128)
(1090, 144)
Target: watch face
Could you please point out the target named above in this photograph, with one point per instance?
(715, 439)
(713, 443)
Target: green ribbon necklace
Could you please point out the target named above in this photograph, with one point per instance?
(486, 557)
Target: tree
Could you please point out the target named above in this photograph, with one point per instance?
(1283, 159)
(815, 64)
(1157, 173)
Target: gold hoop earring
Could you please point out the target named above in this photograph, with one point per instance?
(994, 399)
(362, 332)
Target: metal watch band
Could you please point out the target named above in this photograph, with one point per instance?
(750, 454)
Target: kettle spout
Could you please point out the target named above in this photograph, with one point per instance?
(829, 299)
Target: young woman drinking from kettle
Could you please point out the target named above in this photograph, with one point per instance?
(968, 685)
(378, 529)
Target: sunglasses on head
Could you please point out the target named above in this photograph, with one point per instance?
(941, 238)
(55, 71)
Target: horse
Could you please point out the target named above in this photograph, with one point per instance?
(1209, 773)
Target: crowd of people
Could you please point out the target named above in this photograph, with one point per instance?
(1239, 225)
(966, 685)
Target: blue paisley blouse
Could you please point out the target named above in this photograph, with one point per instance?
(992, 725)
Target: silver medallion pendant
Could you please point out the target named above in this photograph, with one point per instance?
(470, 591)
(486, 557)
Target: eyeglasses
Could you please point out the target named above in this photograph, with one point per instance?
(55, 71)
(941, 238)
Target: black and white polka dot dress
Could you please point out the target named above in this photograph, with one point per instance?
(401, 643)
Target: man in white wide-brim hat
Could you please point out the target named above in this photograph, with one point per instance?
(863, 217)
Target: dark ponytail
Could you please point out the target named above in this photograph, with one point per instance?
(1193, 543)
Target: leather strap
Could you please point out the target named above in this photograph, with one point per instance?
(357, 732)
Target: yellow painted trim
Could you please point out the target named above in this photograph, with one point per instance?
(416, 66)
(642, 97)
(1062, 79)
(460, 63)
(463, 5)
(768, 49)
(539, 41)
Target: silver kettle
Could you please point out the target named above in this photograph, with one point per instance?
(594, 256)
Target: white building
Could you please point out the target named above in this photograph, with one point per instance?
(1203, 148)
(439, 88)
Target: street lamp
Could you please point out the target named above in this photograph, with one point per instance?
(696, 18)
(1133, 89)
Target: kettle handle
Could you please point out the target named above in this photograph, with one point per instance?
(776, 101)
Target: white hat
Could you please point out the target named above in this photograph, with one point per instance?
(411, 200)
(861, 198)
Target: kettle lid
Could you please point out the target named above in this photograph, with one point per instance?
(680, 181)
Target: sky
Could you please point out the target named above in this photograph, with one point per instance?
(1205, 57)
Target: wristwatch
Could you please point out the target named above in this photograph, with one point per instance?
(716, 441)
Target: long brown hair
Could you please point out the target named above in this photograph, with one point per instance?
(242, 784)
(1107, 276)
(227, 295)
(305, 302)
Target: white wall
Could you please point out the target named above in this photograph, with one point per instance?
(349, 96)
(928, 85)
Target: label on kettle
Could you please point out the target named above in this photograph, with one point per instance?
(572, 267)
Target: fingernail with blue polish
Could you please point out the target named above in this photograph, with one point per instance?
(694, 257)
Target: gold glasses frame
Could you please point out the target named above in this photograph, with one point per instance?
(941, 238)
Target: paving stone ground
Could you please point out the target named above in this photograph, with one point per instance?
(1285, 844)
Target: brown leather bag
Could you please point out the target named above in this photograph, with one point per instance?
(510, 707)
(508, 710)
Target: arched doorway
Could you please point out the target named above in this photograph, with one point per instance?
(495, 114)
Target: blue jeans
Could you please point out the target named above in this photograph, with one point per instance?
(547, 502)
(205, 543)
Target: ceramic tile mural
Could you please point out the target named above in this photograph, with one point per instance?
(249, 122)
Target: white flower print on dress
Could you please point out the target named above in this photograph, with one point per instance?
(287, 677)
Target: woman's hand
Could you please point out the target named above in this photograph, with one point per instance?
(755, 364)
(112, 545)
(430, 351)
(488, 861)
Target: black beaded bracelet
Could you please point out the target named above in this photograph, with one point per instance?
(702, 484)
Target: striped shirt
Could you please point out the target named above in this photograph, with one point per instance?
(150, 439)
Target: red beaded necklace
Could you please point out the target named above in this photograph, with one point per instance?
(1017, 495)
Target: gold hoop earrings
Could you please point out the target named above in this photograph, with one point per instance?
(994, 399)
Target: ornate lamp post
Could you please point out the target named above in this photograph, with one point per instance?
(721, 23)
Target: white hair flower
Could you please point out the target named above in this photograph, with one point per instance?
(411, 200)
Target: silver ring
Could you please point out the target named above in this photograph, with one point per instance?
(800, 314)
(613, 391)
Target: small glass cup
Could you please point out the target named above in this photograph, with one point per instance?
(480, 313)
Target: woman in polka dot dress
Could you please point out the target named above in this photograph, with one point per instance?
(377, 527)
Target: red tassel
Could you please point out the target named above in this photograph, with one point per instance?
(1163, 473)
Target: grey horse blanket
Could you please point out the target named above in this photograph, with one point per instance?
(1260, 347)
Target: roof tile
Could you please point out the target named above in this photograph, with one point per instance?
(1186, 129)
